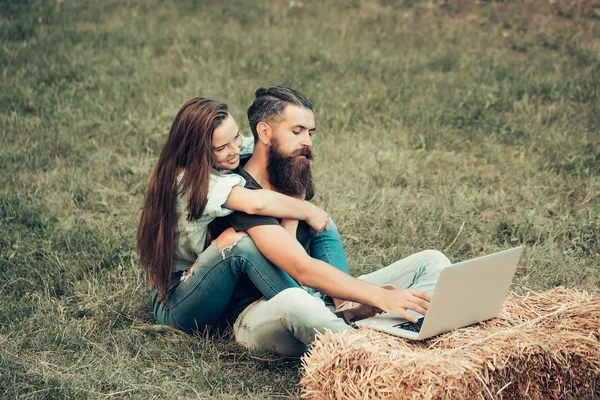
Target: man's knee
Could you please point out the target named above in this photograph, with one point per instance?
(293, 297)
(304, 315)
(435, 258)
(300, 306)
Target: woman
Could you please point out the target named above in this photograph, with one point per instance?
(189, 187)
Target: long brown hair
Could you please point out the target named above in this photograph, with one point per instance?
(188, 146)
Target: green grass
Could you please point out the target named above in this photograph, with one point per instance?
(466, 129)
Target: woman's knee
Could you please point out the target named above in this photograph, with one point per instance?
(333, 226)
(243, 246)
(332, 231)
(229, 238)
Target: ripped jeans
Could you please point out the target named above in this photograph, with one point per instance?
(201, 297)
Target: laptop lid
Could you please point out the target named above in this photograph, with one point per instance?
(466, 293)
(470, 292)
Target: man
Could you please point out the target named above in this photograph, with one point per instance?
(282, 122)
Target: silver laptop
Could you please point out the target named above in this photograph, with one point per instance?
(466, 293)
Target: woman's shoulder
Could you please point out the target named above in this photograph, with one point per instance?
(220, 185)
(219, 188)
(225, 178)
(216, 179)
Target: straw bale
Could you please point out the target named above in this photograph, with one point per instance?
(541, 346)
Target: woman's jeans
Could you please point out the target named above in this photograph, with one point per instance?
(288, 323)
(200, 298)
(327, 246)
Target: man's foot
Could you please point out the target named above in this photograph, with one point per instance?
(351, 311)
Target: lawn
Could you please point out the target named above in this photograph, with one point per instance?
(467, 128)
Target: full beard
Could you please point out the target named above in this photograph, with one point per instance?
(291, 175)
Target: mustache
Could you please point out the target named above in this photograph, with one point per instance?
(305, 151)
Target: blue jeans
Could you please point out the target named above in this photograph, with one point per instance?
(327, 246)
(200, 298)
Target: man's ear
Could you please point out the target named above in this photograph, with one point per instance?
(265, 133)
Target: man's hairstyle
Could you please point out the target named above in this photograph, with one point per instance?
(269, 104)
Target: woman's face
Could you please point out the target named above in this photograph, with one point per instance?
(226, 144)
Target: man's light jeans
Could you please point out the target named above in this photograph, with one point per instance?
(288, 322)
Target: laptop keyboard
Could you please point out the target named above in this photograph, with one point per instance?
(411, 326)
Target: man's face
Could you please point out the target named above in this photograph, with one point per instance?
(290, 155)
(293, 133)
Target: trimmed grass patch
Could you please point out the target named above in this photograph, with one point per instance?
(464, 128)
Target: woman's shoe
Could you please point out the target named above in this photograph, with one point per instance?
(351, 311)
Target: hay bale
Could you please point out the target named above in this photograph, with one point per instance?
(541, 346)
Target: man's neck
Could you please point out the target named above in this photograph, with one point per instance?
(257, 168)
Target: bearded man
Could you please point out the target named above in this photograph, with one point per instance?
(282, 122)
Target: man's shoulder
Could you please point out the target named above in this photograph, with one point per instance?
(244, 159)
(250, 182)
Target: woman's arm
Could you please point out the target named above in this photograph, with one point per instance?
(285, 252)
(273, 204)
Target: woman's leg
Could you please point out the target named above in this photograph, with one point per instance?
(204, 292)
(327, 246)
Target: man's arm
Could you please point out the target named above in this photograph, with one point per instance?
(290, 225)
(284, 251)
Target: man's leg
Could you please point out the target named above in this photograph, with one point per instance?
(285, 324)
(288, 322)
(419, 271)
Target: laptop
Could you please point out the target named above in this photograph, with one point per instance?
(466, 293)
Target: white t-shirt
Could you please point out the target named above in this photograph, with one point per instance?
(191, 235)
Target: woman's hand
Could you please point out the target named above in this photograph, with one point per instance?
(398, 301)
(317, 218)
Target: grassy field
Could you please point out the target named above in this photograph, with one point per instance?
(464, 128)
